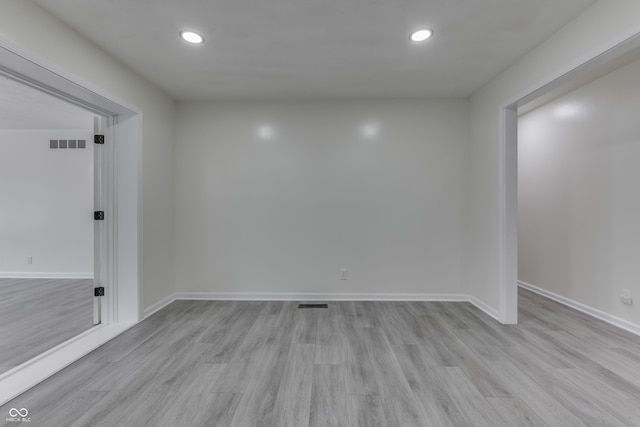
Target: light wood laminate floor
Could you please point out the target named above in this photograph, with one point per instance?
(398, 364)
(38, 314)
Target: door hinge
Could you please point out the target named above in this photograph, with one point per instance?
(98, 215)
(98, 292)
(98, 139)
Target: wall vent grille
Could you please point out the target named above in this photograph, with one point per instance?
(68, 144)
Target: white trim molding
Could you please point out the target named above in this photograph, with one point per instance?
(486, 308)
(598, 314)
(153, 308)
(29, 275)
(508, 216)
(21, 378)
(305, 296)
(313, 296)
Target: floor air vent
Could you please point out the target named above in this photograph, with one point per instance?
(313, 305)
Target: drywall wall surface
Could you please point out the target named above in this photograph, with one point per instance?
(280, 196)
(43, 37)
(46, 204)
(579, 204)
(599, 28)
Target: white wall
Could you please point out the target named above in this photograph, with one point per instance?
(27, 26)
(46, 204)
(372, 186)
(579, 202)
(601, 27)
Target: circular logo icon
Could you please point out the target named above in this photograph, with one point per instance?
(22, 412)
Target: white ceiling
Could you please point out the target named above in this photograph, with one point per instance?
(261, 49)
(23, 107)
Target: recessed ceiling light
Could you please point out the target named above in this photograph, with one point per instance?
(421, 35)
(191, 37)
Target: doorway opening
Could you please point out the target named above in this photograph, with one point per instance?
(578, 202)
(600, 65)
(118, 169)
(46, 227)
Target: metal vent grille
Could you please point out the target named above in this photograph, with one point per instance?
(66, 144)
(313, 305)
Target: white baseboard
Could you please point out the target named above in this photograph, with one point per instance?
(486, 308)
(21, 378)
(304, 296)
(598, 314)
(31, 275)
(312, 296)
(158, 306)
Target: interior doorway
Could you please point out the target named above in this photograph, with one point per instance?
(600, 65)
(578, 203)
(47, 235)
(120, 271)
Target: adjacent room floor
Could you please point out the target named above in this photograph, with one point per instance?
(198, 363)
(38, 314)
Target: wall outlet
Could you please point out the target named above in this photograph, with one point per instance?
(344, 274)
(29, 260)
(625, 297)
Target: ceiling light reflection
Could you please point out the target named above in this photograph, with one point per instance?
(370, 130)
(265, 132)
(567, 111)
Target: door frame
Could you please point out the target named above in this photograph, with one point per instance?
(120, 266)
(592, 67)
